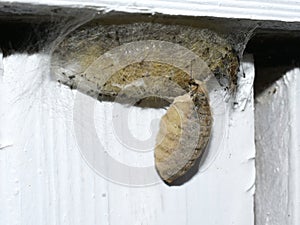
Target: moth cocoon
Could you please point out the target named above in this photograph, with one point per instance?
(129, 62)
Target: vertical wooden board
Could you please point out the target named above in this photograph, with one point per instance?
(45, 180)
(277, 160)
(295, 155)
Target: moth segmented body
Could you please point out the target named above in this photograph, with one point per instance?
(184, 133)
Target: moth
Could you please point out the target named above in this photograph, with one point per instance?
(184, 133)
(127, 62)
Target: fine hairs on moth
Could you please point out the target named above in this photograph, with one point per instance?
(129, 62)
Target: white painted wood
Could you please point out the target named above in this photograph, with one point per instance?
(295, 148)
(283, 10)
(44, 179)
(277, 199)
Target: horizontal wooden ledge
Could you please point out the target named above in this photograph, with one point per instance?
(278, 10)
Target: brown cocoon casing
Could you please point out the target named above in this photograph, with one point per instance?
(186, 128)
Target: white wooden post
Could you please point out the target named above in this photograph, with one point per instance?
(277, 144)
(44, 179)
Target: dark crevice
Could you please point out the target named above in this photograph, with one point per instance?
(21, 37)
(275, 53)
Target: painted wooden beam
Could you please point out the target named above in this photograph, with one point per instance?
(45, 180)
(277, 198)
(279, 10)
